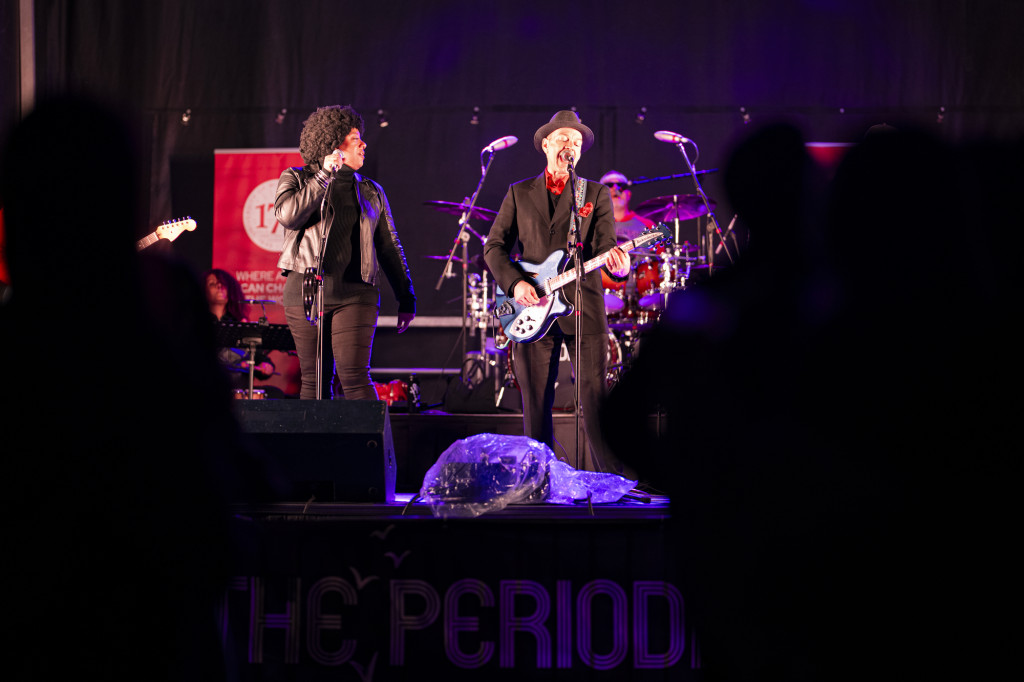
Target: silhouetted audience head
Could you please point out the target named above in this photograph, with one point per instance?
(121, 447)
(837, 430)
(70, 182)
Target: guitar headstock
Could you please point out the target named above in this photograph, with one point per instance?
(662, 231)
(172, 228)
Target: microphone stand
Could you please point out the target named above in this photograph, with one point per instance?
(462, 237)
(575, 246)
(317, 321)
(730, 234)
(707, 205)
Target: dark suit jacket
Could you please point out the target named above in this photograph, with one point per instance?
(523, 224)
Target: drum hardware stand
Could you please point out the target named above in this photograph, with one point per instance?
(254, 335)
(505, 379)
(253, 341)
(478, 314)
(670, 282)
(462, 237)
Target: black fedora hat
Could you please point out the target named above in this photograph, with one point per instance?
(564, 119)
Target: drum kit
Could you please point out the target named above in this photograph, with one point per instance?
(633, 306)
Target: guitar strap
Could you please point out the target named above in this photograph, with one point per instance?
(581, 194)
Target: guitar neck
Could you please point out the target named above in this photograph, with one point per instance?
(559, 281)
(148, 240)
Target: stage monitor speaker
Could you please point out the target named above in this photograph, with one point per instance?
(333, 450)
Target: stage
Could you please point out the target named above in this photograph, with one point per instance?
(376, 589)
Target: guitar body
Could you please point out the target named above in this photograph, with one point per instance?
(523, 324)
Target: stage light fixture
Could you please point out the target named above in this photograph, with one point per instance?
(186, 117)
(641, 115)
(279, 119)
(476, 117)
(382, 118)
(745, 114)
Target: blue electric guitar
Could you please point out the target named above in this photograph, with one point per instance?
(524, 324)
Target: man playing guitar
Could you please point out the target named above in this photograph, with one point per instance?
(535, 216)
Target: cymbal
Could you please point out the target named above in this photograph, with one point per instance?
(458, 209)
(670, 207)
(612, 303)
(475, 258)
(472, 259)
(689, 252)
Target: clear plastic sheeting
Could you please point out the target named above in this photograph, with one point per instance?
(489, 471)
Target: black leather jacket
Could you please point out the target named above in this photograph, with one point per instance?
(297, 208)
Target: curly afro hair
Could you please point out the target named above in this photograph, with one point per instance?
(325, 130)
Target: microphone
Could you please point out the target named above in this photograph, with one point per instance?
(728, 231)
(670, 137)
(500, 143)
(566, 155)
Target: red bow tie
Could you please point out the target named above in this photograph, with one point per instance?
(554, 186)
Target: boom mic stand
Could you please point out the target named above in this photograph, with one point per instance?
(462, 238)
(680, 142)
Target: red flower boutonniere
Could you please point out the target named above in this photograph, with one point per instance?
(587, 209)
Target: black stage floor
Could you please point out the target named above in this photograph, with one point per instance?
(350, 581)
(643, 507)
(377, 591)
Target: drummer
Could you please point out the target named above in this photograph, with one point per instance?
(618, 296)
(627, 223)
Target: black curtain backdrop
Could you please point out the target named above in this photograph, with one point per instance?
(711, 71)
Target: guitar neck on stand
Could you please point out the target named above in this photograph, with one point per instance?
(169, 231)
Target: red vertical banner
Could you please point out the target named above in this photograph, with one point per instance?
(247, 239)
